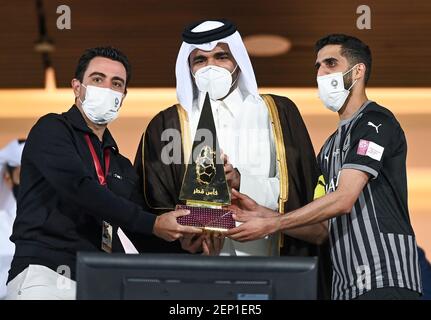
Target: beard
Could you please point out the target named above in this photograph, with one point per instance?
(348, 81)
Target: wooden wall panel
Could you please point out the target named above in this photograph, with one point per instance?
(149, 32)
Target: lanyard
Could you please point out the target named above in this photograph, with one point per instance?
(100, 174)
(106, 226)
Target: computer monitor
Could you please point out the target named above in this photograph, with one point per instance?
(194, 277)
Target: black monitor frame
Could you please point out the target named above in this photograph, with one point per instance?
(194, 277)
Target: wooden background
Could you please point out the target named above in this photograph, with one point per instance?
(149, 32)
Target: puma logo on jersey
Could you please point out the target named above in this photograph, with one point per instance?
(373, 125)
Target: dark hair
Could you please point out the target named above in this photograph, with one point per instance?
(105, 52)
(353, 49)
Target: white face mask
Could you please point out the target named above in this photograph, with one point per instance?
(332, 91)
(101, 105)
(215, 80)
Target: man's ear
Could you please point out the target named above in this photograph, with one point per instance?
(360, 71)
(76, 86)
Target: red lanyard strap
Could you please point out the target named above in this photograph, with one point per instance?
(100, 174)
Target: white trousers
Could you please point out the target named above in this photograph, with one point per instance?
(38, 282)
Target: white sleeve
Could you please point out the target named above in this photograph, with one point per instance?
(265, 191)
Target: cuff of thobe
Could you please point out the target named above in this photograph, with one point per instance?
(251, 187)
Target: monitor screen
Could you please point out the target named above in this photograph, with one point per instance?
(194, 277)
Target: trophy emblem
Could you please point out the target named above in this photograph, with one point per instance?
(205, 165)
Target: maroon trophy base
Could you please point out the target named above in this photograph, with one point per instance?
(207, 218)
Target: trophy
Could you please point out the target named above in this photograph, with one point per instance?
(205, 190)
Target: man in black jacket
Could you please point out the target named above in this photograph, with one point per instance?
(76, 188)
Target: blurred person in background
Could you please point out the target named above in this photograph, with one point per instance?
(10, 167)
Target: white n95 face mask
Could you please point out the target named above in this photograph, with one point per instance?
(332, 91)
(215, 80)
(101, 105)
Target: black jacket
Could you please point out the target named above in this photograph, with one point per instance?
(61, 204)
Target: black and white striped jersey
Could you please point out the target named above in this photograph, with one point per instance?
(374, 246)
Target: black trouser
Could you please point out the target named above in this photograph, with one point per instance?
(390, 293)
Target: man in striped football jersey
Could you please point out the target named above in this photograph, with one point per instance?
(364, 212)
